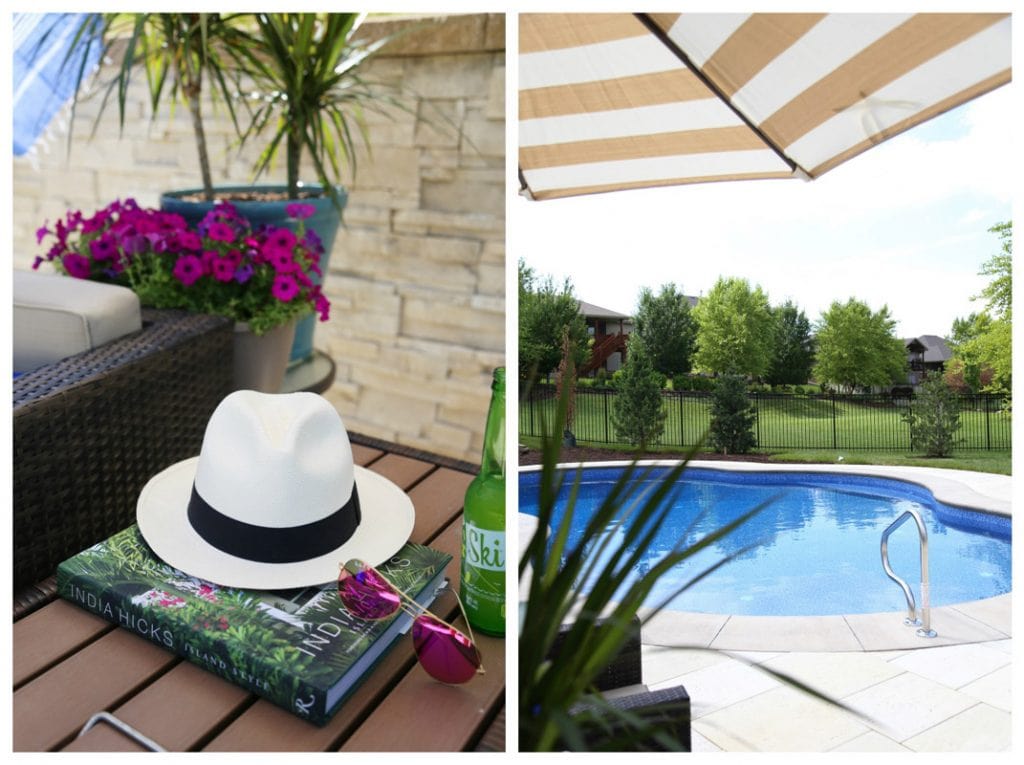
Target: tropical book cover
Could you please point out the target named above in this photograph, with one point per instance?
(299, 649)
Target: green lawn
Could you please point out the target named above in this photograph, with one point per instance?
(983, 461)
(823, 430)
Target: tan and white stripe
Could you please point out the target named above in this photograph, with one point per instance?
(604, 104)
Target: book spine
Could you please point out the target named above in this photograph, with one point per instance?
(114, 604)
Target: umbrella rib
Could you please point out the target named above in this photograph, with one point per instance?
(679, 53)
(524, 187)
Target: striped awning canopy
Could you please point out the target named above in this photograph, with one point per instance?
(619, 101)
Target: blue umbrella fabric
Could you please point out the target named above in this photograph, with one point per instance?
(41, 43)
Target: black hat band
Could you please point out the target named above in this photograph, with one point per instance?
(266, 544)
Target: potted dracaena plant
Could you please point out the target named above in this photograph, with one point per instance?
(578, 601)
(305, 94)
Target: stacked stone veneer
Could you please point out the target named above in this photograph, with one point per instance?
(417, 275)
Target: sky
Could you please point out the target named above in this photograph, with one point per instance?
(904, 225)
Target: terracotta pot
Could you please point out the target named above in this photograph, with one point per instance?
(261, 360)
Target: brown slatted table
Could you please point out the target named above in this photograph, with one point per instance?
(70, 664)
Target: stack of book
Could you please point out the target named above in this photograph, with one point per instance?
(299, 649)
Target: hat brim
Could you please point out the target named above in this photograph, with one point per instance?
(162, 514)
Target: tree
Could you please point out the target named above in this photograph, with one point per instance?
(734, 329)
(857, 347)
(792, 350)
(566, 386)
(732, 417)
(983, 342)
(999, 292)
(934, 418)
(968, 370)
(637, 413)
(545, 314)
(668, 329)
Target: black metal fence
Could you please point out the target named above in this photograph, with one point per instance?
(784, 421)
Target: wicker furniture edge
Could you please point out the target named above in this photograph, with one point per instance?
(90, 430)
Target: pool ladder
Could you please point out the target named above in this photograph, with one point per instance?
(924, 623)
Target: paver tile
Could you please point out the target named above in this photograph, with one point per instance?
(786, 633)
(995, 612)
(780, 720)
(955, 665)
(720, 685)
(872, 741)
(995, 689)
(661, 663)
(979, 729)
(835, 674)
(908, 704)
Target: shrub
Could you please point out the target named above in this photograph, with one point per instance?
(692, 383)
(637, 413)
(934, 418)
(732, 417)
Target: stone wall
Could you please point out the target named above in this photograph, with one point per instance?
(417, 276)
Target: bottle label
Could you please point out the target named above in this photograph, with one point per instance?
(484, 548)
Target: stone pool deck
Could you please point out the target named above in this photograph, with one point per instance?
(951, 693)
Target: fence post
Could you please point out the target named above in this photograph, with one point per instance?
(757, 417)
(682, 432)
(607, 435)
(988, 425)
(835, 441)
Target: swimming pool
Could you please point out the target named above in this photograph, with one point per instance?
(819, 541)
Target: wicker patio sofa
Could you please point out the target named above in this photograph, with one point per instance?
(90, 430)
(667, 707)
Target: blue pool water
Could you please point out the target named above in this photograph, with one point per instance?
(818, 541)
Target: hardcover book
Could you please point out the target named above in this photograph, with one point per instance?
(299, 649)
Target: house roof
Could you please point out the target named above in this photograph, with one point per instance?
(590, 310)
(935, 348)
(596, 312)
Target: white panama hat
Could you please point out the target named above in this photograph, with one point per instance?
(273, 501)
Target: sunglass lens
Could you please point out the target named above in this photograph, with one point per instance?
(445, 653)
(367, 595)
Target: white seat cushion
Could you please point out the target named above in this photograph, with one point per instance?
(59, 316)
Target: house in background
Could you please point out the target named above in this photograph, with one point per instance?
(926, 354)
(610, 332)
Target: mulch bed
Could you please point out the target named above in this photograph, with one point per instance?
(528, 456)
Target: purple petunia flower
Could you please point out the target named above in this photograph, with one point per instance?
(234, 257)
(223, 270)
(281, 238)
(284, 288)
(244, 273)
(321, 304)
(76, 265)
(207, 258)
(188, 269)
(189, 240)
(313, 242)
(299, 210)
(41, 233)
(103, 248)
(220, 232)
(134, 244)
(281, 260)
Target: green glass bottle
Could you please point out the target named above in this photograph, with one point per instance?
(483, 525)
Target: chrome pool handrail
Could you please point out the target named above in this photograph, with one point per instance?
(924, 623)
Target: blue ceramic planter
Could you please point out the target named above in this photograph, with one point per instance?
(324, 221)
